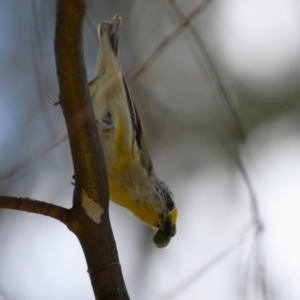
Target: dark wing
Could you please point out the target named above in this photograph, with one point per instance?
(136, 122)
(138, 130)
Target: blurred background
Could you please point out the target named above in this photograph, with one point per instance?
(217, 86)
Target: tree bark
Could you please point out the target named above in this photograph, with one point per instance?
(89, 215)
(88, 218)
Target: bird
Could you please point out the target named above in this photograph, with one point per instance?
(133, 183)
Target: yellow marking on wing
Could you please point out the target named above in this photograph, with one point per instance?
(123, 152)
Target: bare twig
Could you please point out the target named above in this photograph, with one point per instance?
(35, 206)
(38, 152)
(216, 79)
(137, 70)
(211, 70)
(37, 56)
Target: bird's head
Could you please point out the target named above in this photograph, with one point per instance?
(168, 216)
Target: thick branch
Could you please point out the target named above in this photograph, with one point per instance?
(89, 214)
(75, 99)
(35, 206)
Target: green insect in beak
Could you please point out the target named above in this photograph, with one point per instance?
(163, 236)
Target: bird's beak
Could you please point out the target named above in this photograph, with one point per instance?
(167, 230)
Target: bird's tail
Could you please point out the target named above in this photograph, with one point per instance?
(108, 33)
(112, 30)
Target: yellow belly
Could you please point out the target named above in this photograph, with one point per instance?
(141, 208)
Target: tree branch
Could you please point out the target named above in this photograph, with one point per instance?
(35, 206)
(89, 215)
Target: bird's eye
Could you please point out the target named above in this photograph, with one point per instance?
(169, 203)
(165, 194)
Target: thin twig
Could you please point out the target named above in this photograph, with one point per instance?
(137, 70)
(261, 275)
(35, 206)
(211, 70)
(39, 151)
(37, 55)
(259, 272)
(216, 79)
(214, 74)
